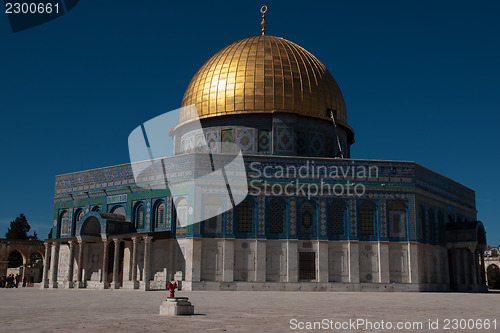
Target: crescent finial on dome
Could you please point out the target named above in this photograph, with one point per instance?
(263, 10)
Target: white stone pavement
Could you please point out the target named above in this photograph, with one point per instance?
(34, 310)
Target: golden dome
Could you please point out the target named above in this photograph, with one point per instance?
(264, 74)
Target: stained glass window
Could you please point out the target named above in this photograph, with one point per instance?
(441, 234)
(397, 219)
(336, 216)
(213, 208)
(276, 216)
(245, 216)
(307, 218)
(80, 215)
(64, 223)
(139, 216)
(421, 223)
(160, 215)
(431, 226)
(182, 211)
(367, 216)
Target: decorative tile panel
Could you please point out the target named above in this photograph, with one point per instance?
(316, 144)
(413, 231)
(354, 224)
(169, 212)
(227, 138)
(200, 143)
(262, 222)
(264, 141)
(212, 138)
(284, 139)
(329, 146)
(293, 214)
(301, 143)
(245, 138)
(383, 219)
(322, 218)
(229, 218)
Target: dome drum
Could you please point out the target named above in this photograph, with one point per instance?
(277, 134)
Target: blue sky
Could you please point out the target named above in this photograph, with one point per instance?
(421, 82)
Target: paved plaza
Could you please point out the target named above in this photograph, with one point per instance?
(34, 310)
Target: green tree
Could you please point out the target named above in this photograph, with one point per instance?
(34, 237)
(19, 229)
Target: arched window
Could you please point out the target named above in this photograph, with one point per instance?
(159, 215)
(212, 209)
(245, 217)
(431, 226)
(441, 226)
(397, 220)
(459, 219)
(139, 215)
(119, 210)
(421, 223)
(276, 216)
(367, 219)
(64, 218)
(79, 215)
(96, 209)
(450, 219)
(307, 218)
(337, 218)
(181, 209)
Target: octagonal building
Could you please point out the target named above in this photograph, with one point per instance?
(313, 218)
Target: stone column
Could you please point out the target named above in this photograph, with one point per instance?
(353, 255)
(440, 268)
(446, 269)
(147, 261)
(104, 273)
(478, 268)
(467, 268)
(473, 267)
(383, 262)
(54, 265)
(413, 263)
(459, 269)
(134, 263)
(80, 281)
(45, 276)
(292, 264)
(260, 258)
(428, 265)
(171, 259)
(483, 271)
(228, 261)
(195, 260)
(322, 261)
(116, 265)
(69, 271)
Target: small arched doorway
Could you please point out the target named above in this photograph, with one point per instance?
(15, 259)
(493, 276)
(34, 269)
(91, 227)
